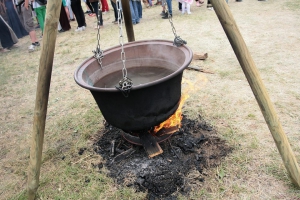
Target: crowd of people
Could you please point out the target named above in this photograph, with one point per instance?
(17, 17)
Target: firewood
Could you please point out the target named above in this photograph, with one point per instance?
(150, 144)
(123, 155)
(168, 131)
(199, 56)
(197, 68)
(112, 149)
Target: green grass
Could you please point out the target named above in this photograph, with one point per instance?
(293, 5)
(74, 120)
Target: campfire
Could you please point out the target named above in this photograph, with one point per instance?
(191, 150)
(150, 139)
(173, 123)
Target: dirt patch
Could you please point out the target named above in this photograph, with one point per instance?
(194, 147)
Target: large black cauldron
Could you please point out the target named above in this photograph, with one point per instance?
(148, 104)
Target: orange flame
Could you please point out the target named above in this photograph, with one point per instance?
(175, 119)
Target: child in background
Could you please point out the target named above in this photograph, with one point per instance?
(186, 6)
(40, 11)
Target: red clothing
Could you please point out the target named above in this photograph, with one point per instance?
(104, 5)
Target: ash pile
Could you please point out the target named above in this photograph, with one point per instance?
(195, 147)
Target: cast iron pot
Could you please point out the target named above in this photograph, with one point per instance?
(148, 104)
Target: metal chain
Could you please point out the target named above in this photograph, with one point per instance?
(126, 83)
(98, 52)
(177, 40)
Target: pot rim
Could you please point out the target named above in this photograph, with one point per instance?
(185, 49)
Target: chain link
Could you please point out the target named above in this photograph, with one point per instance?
(98, 52)
(177, 40)
(125, 84)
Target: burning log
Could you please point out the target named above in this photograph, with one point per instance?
(150, 144)
(167, 131)
(150, 139)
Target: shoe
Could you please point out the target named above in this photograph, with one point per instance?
(166, 16)
(14, 46)
(79, 29)
(72, 19)
(61, 30)
(37, 44)
(210, 8)
(83, 28)
(4, 50)
(31, 48)
(238, 0)
(163, 13)
(88, 12)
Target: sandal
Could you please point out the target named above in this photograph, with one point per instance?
(4, 50)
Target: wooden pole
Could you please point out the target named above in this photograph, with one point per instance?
(128, 20)
(42, 94)
(243, 55)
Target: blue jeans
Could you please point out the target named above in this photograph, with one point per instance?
(140, 9)
(169, 4)
(134, 12)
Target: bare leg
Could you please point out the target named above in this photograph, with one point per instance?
(32, 35)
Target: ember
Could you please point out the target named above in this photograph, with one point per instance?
(194, 148)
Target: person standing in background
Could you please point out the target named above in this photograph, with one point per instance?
(104, 6)
(114, 4)
(9, 14)
(64, 23)
(186, 6)
(77, 9)
(140, 8)
(169, 5)
(134, 12)
(95, 4)
(7, 37)
(40, 10)
(25, 15)
(89, 5)
(71, 14)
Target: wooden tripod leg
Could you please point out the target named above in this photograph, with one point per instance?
(42, 95)
(243, 55)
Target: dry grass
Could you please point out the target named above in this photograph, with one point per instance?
(253, 171)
